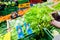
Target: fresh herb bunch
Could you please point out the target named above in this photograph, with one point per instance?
(39, 18)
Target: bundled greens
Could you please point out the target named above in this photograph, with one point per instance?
(39, 18)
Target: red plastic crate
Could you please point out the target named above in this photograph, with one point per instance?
(35, 1)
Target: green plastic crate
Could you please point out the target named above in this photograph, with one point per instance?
(49, 35)
(23, 1)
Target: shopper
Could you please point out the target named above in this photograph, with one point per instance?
(56, 23)
(56, 19)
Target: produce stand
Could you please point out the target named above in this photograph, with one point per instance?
(37, 18)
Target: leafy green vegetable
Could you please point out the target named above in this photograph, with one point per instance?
(3, 27)
(39, 18)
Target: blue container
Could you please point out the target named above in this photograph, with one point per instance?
(19, 31)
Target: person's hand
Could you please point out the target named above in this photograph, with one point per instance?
(56, 23)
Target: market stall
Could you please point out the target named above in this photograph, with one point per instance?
(37, 22)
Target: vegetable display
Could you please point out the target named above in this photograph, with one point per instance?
(39, 17)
